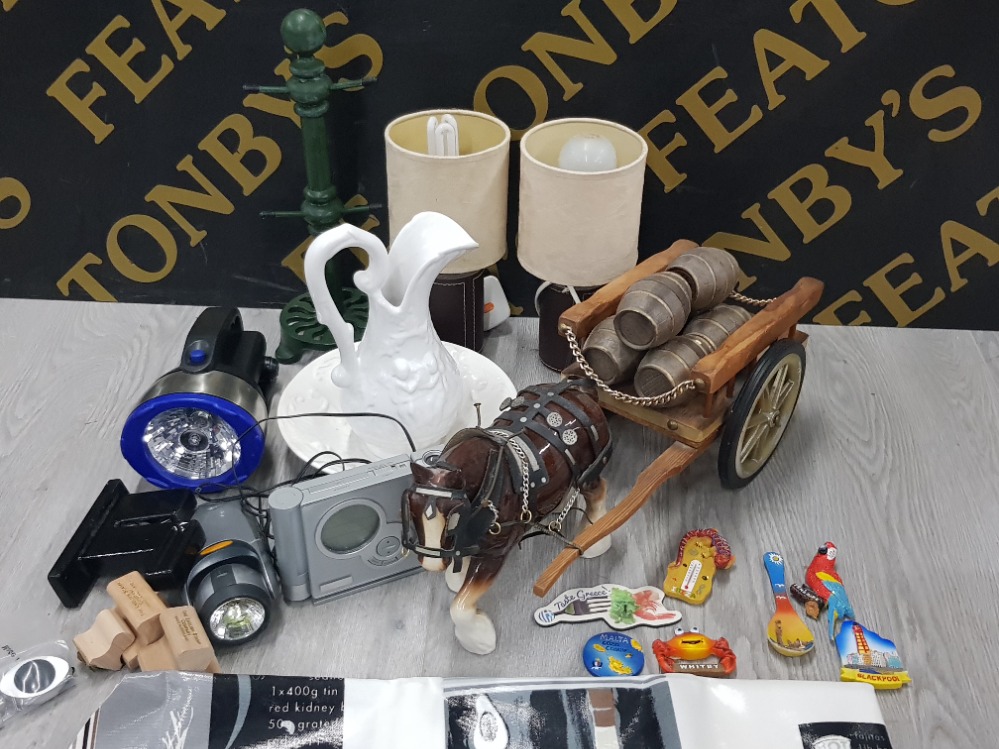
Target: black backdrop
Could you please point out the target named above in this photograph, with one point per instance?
(871, 162)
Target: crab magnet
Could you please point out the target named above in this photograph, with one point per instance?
(701, 552)
(620, 607)
(690, 652)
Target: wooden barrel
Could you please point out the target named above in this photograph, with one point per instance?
(712, 275)
(717, 324)
(666, 367)
(610, 358)
(653, 310)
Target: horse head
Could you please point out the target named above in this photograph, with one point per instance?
(431, 511)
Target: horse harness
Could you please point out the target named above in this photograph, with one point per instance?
(474, 518)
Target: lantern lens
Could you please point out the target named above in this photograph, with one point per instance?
(192, 443)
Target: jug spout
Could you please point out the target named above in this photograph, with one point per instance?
(422, 249)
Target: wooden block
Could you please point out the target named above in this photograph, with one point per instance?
(138, 605)
(213, 666)
(101, 646)
(157, 656)
(188, 641)
(130, 656)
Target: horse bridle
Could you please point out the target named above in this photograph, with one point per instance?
(473, 519)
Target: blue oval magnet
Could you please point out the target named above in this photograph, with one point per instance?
(613, 654)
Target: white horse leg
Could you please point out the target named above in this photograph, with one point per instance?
(596, 508)
(474, 630)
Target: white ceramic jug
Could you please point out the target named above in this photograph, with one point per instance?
(400, 367)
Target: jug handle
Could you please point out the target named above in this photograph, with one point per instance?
(323, 248)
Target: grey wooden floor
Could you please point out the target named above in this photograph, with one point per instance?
(892, 455)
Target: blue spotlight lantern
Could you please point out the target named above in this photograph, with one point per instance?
(198, 424)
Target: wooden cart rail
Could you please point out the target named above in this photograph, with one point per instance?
(693, 426)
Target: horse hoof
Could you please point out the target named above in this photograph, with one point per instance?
(477, 635)
(598, 548)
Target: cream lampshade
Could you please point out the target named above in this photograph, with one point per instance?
(579, 221)
(580, 203)
(470, 188)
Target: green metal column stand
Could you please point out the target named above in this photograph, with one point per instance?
(304, 33)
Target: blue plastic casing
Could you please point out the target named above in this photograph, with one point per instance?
(134, 449)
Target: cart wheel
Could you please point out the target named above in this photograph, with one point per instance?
(760, 413)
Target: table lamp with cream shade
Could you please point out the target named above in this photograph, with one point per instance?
(469, 187)
(580, 204)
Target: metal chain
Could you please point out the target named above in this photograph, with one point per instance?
(525, 479)
(525, 487)
(655, 401)
(556, 525)
(749, 300)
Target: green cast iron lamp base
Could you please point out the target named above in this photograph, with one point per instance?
(301, 331)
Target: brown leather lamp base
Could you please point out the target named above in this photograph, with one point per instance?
(551, 302)
(456, 309)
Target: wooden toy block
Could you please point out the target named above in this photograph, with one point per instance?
(138, 605)
(101, 646)
(157, 656)
(188, 641)
(130, 656)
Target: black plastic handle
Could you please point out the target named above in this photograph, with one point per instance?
(212, 339)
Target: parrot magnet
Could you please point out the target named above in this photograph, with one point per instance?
(620, 607)
(864, 655)
(824, 589)
(701, 552)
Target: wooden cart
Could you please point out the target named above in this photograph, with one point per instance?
(768, 349)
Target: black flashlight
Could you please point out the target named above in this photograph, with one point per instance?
(200, 423)
(233, 586)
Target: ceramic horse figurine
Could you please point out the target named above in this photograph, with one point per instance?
(489, 487)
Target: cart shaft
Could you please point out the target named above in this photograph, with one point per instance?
(674, 460)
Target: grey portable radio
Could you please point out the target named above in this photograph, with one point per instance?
(339, 534)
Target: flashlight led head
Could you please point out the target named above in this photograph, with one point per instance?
(199, 424)
(237, 619)
(231, 594)
(233, 585)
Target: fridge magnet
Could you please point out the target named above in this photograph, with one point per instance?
(613, 654)
(869, 658)
(701, 552)
(787, 633)
(694, 653)
(822, 580)
(620, 607)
